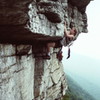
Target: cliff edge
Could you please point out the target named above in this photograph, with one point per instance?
(26, 26)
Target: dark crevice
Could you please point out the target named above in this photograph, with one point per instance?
(5, 69)
(16, 71)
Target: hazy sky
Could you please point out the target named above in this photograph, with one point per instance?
(85, 52)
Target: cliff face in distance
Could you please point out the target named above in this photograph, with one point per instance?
(26, 26)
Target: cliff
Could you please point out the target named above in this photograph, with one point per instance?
(26, 26)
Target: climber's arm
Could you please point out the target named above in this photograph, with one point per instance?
(67, 34)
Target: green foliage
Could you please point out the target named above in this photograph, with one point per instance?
(75, 92)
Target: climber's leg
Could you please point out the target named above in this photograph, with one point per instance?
(49, 45)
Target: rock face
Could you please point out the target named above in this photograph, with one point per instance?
(80, 4)
(16, 74)
(50, 83)
(26, 26)
(27, 21)
(23, 77)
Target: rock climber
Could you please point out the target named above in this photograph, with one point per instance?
(69, 36)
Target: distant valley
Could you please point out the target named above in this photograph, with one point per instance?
(75, 92)
(91, 88)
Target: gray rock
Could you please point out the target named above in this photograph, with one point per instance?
(26, 26)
